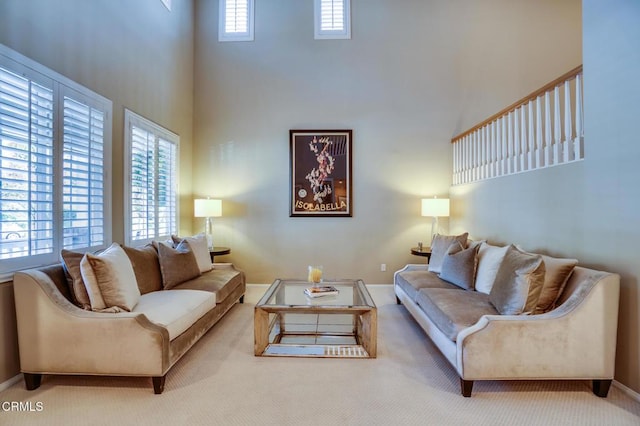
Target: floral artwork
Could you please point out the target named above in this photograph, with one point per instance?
(320, 172)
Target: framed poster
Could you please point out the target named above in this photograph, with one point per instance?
(320, 173)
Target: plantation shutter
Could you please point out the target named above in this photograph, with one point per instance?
(236, 17)
(167, 187)
(26, 165)
(332, 19)
(143, 174)
(83, 175)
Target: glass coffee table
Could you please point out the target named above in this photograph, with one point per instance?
(289, 323)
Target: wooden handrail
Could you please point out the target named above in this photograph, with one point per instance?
(533, 95)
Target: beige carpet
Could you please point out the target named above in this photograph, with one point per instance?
(220, 382)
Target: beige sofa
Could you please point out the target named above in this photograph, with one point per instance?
(574, 340)
(58, 337)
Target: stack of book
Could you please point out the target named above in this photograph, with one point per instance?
(319, 291)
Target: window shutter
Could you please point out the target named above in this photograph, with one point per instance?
(83, 175)
(236, 20)
(143, 175)
(332, 19)
(26, 165)
(152, 164)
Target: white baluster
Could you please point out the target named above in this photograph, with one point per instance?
(494, 157)
(532, 142)
(557, 128)
(579, 142)
(539, 143)
(547, 124)
(568, 126)
(524, 163)
(505, 147)
(485, 154)
(516, 141)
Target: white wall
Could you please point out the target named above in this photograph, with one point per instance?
(413, 75)
(587, 210)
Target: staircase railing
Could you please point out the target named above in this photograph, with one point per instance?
(543, 129)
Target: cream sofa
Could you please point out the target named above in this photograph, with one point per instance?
(574, 340)
(58, 337)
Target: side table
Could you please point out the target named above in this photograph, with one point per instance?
(425, 252)
(218, 251)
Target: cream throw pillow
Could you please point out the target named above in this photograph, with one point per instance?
(112, 274)
(518, 283)
(439, 247)
(489, 260)
(200, 247)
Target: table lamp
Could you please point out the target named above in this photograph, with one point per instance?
(435, 207)
(208, 208)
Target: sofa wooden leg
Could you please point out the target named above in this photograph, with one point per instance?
(601, 387)
(241, 299)
(465, 387)
(158, 384)
(32, 381)
(398, 302)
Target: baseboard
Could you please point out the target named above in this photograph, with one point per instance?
(12, 381)
(630, 392)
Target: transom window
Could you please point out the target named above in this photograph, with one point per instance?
(332, 19)
(236, 20)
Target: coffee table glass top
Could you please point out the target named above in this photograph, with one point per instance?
(289, 323)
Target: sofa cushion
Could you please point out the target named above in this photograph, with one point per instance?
(557, 273)
(146, 266)
(177, 265)
(439, 247)
(113, 275)
(200, 247)
(489, 260)
(518, 283)
(412, 281)
(71, 263)
(459, 266)
(454, 310)
(220, 281)
(176, 310)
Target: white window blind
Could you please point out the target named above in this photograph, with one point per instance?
(236, 20)
(332, 19)
(152, 209)
(55, 145)
(26, 164)
(83, 172)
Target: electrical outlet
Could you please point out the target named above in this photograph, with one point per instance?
(383, 267)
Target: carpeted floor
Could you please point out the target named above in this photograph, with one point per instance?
(220, 382)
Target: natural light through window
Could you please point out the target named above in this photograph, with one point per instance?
(332, 19)
(152, 169)
(236, 20)
(55, 145)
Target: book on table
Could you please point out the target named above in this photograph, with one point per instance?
(319, 291)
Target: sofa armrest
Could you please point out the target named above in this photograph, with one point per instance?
(55, 336)
(576, 340)
(410, 267)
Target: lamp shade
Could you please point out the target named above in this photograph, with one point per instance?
(207, 207)
(435, 207)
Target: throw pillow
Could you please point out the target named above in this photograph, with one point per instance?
(556, 276)
(200, 247)
(459, 266)
(518, 283)
(439, 247)
(177, 265)
(71, 263)
(146, 266)
(115, 278)
(489, 260)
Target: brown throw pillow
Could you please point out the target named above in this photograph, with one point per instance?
(177, 265)
(439, 247)
(146, 266)
(518, 284)
(71, 263)
(459, 266)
